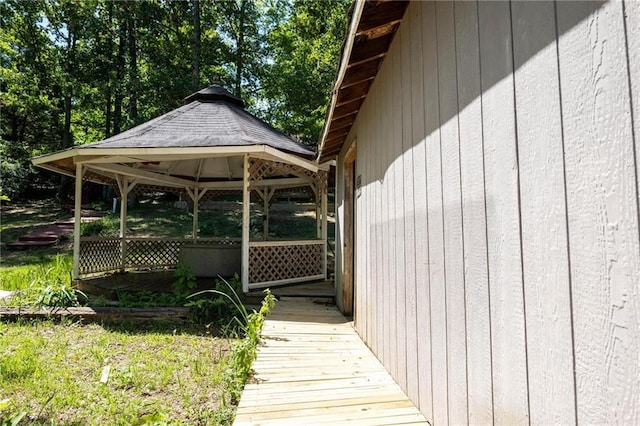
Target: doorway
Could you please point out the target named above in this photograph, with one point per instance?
(348, 281)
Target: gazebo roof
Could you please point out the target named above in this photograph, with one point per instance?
(211, 117)
(203, 140)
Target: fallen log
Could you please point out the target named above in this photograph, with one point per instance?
(97, 314)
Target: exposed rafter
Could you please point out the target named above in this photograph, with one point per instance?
(373, 25)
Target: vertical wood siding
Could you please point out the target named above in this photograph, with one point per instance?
(498, 238)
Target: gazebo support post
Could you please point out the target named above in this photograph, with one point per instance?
(196, 208)
(124, 200)
(324, 206)
(245, 224)
(318, 196)
(77, 218)
(265, 223)
(267, 195)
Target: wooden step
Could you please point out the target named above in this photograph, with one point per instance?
(97, 314)
(25, 245)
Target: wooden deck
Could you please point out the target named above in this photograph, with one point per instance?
(161, 282)
(314, 369)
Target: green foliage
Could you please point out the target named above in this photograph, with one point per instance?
(219, 306)
(147, 299)
(45, 285)
(248, 327)
(305, 49)
(8, 415)
(78, 72)
(185, 282)
(59, 295)
(245, 351)
(37, 283)
(16, 171)
(106, 226)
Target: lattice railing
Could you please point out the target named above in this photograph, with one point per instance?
(279, 262)
(100, 255)
(105, 254)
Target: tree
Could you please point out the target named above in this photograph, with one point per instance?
(75, 72)
(305, 49)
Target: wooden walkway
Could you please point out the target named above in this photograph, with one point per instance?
(313, 369)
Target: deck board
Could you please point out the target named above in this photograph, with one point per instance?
(313, 368)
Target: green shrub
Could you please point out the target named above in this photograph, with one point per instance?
(37, 283)
(217, 306)
(185, 282)
(106, 226)
(245, 351)
(247, 330)
(60, 295)
(147, 299)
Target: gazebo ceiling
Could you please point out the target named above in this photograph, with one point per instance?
(202, 141)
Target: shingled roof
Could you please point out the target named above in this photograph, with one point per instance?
(204, 140)
(211, 117)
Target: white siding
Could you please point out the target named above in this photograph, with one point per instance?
(497, 235)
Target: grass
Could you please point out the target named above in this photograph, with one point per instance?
(31, 280)
(50, 373)
(165, 373)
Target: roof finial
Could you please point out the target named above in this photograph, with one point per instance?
(215, 79)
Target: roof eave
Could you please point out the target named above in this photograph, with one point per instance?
(344, 62)
(371, 31)
(94, 156)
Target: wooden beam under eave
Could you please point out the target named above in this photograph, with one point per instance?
(381, 14)
(345, 114)
(334, 150)
(351, 93)
(348, 109)
(360, 73)
(338, 134)
(346, 121)
(381, 31)
(369, 49)
(329, 156)
(346, 101)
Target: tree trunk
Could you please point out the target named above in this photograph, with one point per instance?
(120, 64)
(196, 44)
(108, 94)
(133, 68)
(65, 182)
(240, 49)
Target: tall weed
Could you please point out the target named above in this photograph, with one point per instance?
(43, 285)
(247, 332)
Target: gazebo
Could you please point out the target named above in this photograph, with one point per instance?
(208, 147)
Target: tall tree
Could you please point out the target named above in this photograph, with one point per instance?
(197, 43)
(305, 49)
(75, 72)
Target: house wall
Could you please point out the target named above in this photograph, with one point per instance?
(497, 234)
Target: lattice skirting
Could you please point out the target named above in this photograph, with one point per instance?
(105, 254)
(285, 261)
